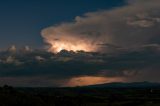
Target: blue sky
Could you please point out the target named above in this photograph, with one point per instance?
(21, 21)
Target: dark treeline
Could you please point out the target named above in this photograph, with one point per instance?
(79, 96)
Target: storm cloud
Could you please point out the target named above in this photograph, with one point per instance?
(69, 68)
(129, 26)
(120, 44)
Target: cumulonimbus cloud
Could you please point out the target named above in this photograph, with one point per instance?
(129, 26)
(135, 25)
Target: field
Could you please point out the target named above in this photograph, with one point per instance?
(79, 96)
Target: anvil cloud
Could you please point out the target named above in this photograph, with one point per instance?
(129, 26)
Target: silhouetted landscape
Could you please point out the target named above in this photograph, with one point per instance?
(112, 94)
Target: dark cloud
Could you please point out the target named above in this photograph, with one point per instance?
(57, 69)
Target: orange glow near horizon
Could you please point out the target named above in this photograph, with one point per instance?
(91, 80)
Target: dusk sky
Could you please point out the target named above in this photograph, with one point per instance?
(79, 42)
(22, 21)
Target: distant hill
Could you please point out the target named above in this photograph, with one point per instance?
(127, 85)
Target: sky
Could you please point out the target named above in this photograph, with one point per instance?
(84, 42)
(22, 20)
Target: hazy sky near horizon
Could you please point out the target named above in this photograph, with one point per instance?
(21, 21)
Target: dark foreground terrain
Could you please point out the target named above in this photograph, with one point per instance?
(80, 96)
